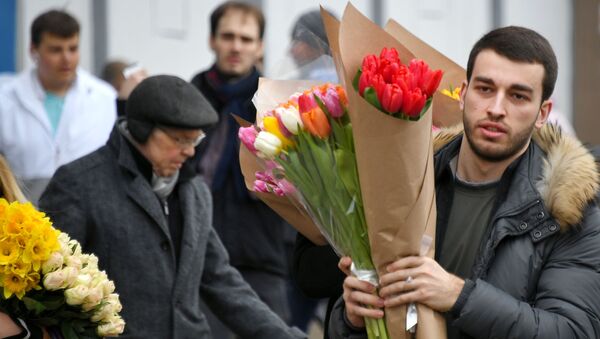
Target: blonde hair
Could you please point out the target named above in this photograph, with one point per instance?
(8, 185)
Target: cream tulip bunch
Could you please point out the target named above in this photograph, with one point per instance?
(84, 285)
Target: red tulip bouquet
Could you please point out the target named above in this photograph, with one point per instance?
(391, 106)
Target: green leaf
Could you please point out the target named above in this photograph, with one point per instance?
(68, 331)
(356, 79)
(33, 305)
(346, 168)
(371, 96)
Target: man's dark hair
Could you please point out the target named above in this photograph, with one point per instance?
(55, 22)
(220, 11)
(522, 45)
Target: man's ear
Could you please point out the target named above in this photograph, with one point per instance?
(34, 53)
(261, 50)
(211, 42)
(544, 113)
(463, 92)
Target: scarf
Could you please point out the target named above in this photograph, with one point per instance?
(161, 186)
(220, 160)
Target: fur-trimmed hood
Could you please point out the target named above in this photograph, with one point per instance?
(569, 178)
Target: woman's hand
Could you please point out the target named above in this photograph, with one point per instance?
(8, 327)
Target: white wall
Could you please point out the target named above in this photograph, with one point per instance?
(165, 36)
(171, 36)
(28, 10)
(553, 20)
(452, 27)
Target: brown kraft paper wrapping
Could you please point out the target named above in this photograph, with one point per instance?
(395, 163)
(274, 91)
(446, 111)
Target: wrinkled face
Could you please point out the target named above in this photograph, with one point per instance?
(57, 59)
(237, 43)
(168, 148)
(502, 104)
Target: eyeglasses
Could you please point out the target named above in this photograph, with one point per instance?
(184, 142)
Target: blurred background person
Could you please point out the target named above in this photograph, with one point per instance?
(124, 78)
(112, 72)
(310, 49)
(250, 230)
(54, 112)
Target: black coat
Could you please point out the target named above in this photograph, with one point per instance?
(537, 274)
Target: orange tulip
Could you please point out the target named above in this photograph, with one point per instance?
(316, 122)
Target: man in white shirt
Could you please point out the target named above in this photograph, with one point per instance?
(54, 112)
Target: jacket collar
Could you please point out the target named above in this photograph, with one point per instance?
(556, 169)
(138, 188)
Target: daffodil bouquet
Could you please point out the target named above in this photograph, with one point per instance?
(47, 280)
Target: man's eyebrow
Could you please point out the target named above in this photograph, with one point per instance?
(517, 87)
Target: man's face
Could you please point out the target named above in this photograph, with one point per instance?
(502, 104)
(57, 59)
(237, 43)
(168, 148)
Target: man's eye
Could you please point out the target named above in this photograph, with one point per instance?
(520, 97)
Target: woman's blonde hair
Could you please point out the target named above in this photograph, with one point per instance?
(8, 185)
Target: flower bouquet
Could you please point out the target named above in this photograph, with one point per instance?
(48, 281)
(308, 148)
(394, 154)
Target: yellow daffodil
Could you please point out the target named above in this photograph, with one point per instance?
(14, 284)
(453, 93)
(9, 252)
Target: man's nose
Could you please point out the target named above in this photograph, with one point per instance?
(188, 151)
(497, 105)
(236, 44)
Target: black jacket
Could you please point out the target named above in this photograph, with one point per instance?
(105, 202)
(537, 274)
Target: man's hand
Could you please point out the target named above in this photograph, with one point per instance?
(429, 284)
(360, 297)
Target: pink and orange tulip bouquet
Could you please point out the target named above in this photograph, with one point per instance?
(308, 149)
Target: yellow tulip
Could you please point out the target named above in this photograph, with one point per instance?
(271, 125)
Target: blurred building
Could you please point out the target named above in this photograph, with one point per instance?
(171, 36)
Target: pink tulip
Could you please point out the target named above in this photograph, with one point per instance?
(331, 100)
(247, 136)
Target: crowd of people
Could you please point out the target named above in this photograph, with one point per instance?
(144, 172)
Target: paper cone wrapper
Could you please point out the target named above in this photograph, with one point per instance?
(269, 94)
(446, 111)
(395, 164)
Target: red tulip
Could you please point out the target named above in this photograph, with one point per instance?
(370, 64)
(426, 79)
(413, 103)
(306, 102)
(390, 54)
(392, 98)
(432, 81)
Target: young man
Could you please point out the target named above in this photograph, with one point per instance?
(250, 230)
(518, 233)
(138, 204)
(55, 112)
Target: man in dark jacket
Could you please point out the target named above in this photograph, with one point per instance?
(518, 233)
(250, 230)
(138, 204)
